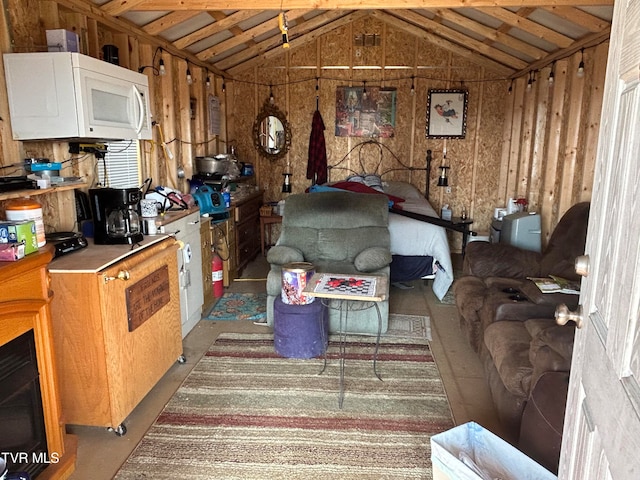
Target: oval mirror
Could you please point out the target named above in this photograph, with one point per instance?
(271, 132)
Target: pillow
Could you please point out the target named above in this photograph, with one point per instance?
(372, 259)
(370, 180)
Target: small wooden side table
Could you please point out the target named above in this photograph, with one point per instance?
(346, 288)
(266, 222)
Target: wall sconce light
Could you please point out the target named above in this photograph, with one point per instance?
(156, 71)
(551, 77)
(413, 86)
(189, 77)
(364, 90)
(580, 72)
(272, 99)
(208, 82)
(443, 180)
(286, 185)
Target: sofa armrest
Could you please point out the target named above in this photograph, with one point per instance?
(372, 259)
(551, 346)
(283, 254)
(484, 259)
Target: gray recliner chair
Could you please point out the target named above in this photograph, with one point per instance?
(338, 232)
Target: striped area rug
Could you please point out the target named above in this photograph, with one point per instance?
(246, 413)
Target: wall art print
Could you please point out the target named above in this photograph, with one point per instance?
(373, 115)
(447, 113)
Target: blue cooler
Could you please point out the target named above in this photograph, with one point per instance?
(300, 331)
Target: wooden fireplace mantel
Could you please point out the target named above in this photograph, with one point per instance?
(24, 306)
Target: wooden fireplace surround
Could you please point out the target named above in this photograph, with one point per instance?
(24, 306)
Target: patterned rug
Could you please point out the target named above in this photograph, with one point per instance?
(246, 413)
(240, 306)
(404, 326)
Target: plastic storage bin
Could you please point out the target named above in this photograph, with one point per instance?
(471, 452)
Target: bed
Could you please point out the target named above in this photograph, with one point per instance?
(420, 249)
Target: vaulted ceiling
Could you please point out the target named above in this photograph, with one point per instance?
(511, 37)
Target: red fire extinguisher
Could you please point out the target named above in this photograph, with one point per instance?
(216, 275)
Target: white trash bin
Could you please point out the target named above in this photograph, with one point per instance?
(471, 452)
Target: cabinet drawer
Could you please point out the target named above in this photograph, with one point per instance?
(249, 209)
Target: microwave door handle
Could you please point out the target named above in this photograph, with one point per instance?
(140, 100)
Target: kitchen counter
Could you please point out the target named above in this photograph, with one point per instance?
(95, 258)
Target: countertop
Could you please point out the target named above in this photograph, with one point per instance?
(95, 258)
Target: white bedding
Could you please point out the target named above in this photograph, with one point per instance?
(413, 237)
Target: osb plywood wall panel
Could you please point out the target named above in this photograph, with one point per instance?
(336, 61)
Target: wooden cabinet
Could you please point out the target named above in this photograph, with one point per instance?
(24, 306)
(246, 216)
(116, 327)
(207, 281)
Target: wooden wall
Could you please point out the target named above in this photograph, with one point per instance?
(538, 143)
(179, 134)
(335, 60)
(550, 136)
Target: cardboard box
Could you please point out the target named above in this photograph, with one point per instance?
(61, 40)
(10, 252)
(23, 231)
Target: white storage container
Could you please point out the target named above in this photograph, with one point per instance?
(471, 452)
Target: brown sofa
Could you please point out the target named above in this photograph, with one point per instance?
(511, 325)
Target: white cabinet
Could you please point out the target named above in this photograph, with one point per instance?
(187, 232)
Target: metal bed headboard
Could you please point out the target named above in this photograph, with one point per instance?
(378, 165)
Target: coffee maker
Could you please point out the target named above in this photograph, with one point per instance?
(115, 215)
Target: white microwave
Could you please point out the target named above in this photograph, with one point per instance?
(65, 95)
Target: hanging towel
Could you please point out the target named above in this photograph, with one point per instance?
(317, 166)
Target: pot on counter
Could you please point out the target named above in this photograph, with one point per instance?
(213, 165)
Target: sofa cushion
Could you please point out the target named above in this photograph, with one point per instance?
(508, 344)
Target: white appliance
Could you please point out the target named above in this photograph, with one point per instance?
(70, 95)
(187, 231)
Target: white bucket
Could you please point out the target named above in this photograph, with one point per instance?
(28, 209)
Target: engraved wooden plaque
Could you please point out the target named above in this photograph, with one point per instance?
(147, 296)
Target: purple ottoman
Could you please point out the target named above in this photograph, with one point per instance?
(300, 331)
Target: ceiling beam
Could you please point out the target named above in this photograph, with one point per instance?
(585, 42)
(459, 38)
(490, 34)
(345, 4)
(299, 35)
(218, 26)
(85, 7)
(519, 21)
(248, 35)
(579, 17)
(167, 21)
(473, 57)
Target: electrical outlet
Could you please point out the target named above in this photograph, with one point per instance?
(447, 190)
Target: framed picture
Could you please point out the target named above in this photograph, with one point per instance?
(365, 115)
(447, 113)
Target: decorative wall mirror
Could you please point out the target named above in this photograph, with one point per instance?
(271, 132)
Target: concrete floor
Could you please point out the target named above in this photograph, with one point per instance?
(101, 452)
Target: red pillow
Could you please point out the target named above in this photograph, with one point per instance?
(362, 188)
